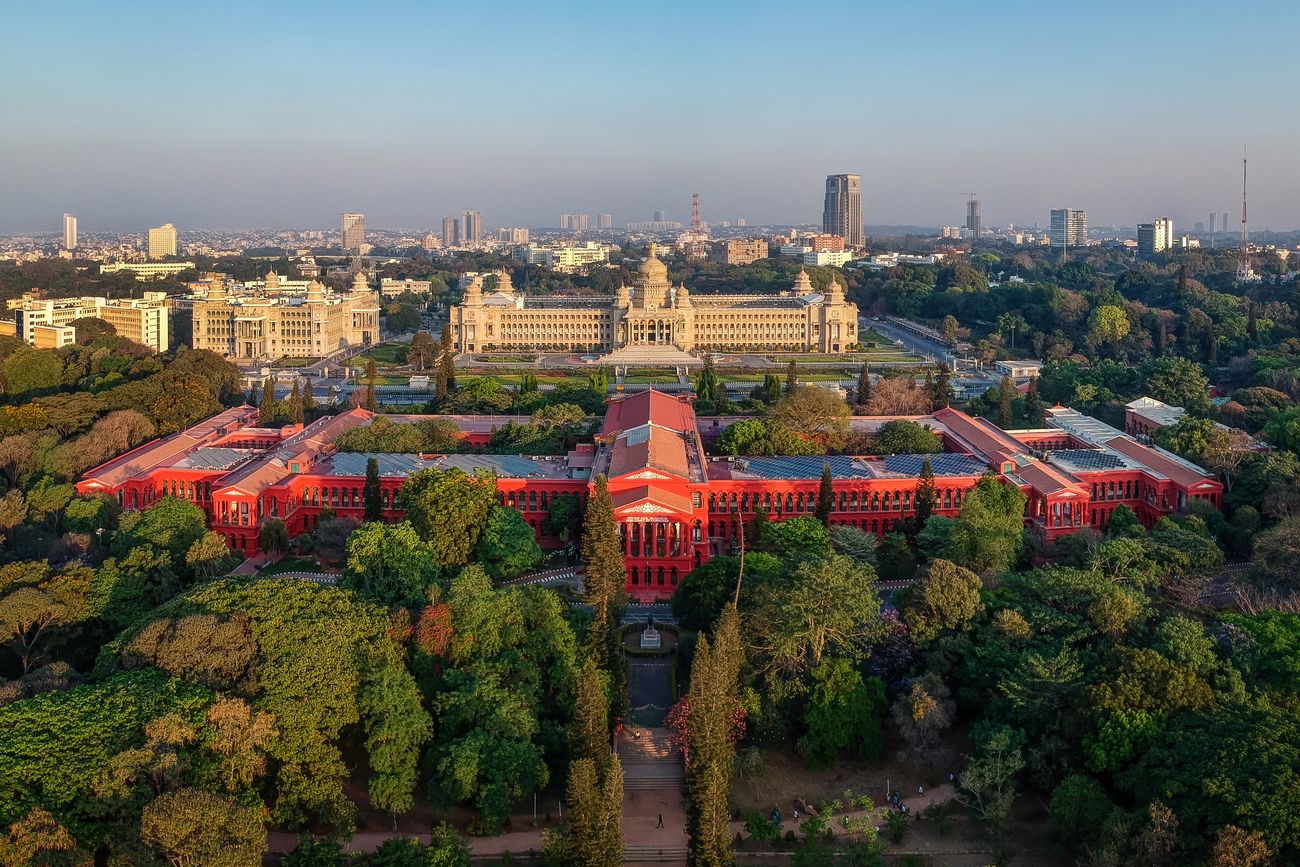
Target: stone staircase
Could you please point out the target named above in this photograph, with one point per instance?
(651, 761)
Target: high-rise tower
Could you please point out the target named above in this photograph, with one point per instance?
(354, 231)
(842, 211)
(472, 231)
(162, 241)
(450, 232)
(695, 213)
(974, 216)
(69, 231)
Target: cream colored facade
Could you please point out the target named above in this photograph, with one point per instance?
(53, 336)
(257, 326)
(147, 270)
(655, 313)
(162, 241)
(142, 320)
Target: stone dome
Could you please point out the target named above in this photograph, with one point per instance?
(652, 267)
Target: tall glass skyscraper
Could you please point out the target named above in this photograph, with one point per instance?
(842, 214)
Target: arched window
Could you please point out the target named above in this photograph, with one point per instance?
(634, 575)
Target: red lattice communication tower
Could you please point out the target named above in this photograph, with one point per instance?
(696, 225)
(1243, 256)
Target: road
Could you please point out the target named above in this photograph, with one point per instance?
(931, 350)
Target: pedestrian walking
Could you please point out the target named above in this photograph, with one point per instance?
(920, 791)
(661, 821)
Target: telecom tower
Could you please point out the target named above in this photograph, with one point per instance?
(1244, 273)
(696, 226)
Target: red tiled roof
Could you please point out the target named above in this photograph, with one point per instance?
(1163, 464)
(255, 477)
(652, 447)
(158, 453)
(631, 496)
(980, 435)
(644, 407)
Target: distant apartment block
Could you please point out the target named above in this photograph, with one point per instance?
(604, 221)
(450, 232)
(162, 241)
(141, 320)
(147, 270)
(574, 222)
(472, 230)
(975, 218)
(833, 258)
(512, 236)
(1069, 228)
(741, 251)
(69, 232)
(565, 258)
(391, 288)
(1155, 237)
(354, 231)
(53, 336)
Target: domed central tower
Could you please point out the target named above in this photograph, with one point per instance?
(652, 282)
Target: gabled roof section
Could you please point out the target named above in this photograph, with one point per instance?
(648, 499)
(163, 452)
(305, 447)
(646, 407)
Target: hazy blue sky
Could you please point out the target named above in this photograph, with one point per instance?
(234, 113)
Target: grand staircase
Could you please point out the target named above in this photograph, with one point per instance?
(651, 763)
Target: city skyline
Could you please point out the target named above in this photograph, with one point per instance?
(1027, 133)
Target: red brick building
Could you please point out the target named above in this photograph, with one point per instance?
(675, 505)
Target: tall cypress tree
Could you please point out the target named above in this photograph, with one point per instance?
(308, 395)
(864, 386)
(594, 836)
(372, 379)
(706, 384)
(370, 493)
(791, 377)
(1252, 326)
(605, 576)
(1033, 408)
(925, 497)
(267, 408)
(1004, 402)
(293, 406)
(715, 685)
(941, 395)
(591, 716)
(825, 495)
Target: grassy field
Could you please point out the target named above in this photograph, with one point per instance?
(291, 564)
(385, 354)
(505, 358)
(296, 362)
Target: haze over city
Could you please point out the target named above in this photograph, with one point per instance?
(249, 114)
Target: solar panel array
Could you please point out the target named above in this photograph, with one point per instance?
(844, 467)
(1088, 460)
(354, 464)
(398, 465)
(214, 458)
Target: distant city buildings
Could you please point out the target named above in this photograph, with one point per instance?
(141, 320)
(659, 216)
(512, 236)
(604, 221)
(392, 288)
(69, 232)
(354, 232)
(1155, 237)
(1069, 228)
(565, 258)
(842, 210)
(472, 228)
(450, 232)
(974, 218)
(147, 270)
(162, 241)
(740, 251)
(573, 222)
(833, 258)
(258, 326)
(654, 225)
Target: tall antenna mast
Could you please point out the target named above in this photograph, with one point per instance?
(695, 212)
(1243, 257)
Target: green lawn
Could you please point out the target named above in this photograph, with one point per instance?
(291, 564)
(385, 354)
(296, 362)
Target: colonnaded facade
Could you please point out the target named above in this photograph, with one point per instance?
(269, 323)
(675, 505)
(654, 313)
